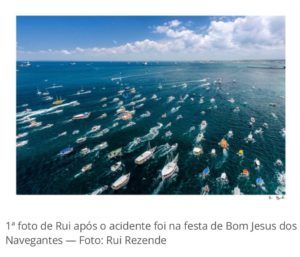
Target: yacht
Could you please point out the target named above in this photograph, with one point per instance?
(145, 156)
(169, 169)
(120, 182)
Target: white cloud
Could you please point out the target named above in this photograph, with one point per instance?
(243, 37)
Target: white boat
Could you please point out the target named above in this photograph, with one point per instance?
(236, 109)
(95, 128)
(213, 152)
(129, 124)
(175, 109)
(116, 166)
(179, 117)
(258, 131)
(120, 182)
(102, 116)
(205, 190)
(203, 125)
(103, 99)
(237, 191)
(266, 125)
(85, 151)
(116, 99)
(164, 116)
(103, 145)
(154, 97)
(168, 125)
(173, 147)
(168, 133)
(200, 137)
(81, 140)
(230, 134)
(169, 169)
(231, 100)
(81, 116)
(223, 177)
(278, 162)
(75, 132)
(249, 138)
(63, 134)
(145, 156)
(87, 167)
(115, 153)
(121, 110)
(170, 99)
(257, 162)
(197, 150)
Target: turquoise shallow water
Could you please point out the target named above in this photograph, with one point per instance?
(252, 84)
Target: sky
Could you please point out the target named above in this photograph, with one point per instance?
(146, 38)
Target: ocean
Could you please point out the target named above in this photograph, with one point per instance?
(226, 94)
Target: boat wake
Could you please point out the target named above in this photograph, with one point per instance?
(158, 188)
(223, 159)
(23, 116)
(165, 149)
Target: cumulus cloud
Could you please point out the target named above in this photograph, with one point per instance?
(242, 37)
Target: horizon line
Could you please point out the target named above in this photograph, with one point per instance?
(212, 60)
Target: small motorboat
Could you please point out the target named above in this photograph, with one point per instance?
(86, 168)
(115, 167)
(206, 172)
(257, 162)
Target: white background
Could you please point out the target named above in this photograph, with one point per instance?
(151, 208)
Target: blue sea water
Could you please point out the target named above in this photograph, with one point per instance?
(257, 87)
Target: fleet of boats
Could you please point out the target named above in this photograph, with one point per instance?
(125, 114)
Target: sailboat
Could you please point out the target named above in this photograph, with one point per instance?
(170, 168)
